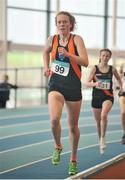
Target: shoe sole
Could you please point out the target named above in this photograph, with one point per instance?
(55, 163)
(71, 173)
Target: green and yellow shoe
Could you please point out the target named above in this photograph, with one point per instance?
(72, 168)
(56, 156)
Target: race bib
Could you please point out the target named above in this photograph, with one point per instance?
(104, 84)
(61, 68)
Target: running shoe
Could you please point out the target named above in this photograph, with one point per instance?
(56, 156)
(123, 139)
(72, 168)
(102, 145)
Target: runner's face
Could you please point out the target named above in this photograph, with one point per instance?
(105, 56)
(63, 24)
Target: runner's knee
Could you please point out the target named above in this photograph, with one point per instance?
(55, 122)
(104, 116)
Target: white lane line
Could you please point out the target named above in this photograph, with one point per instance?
(46, 122)
(21, 116)
(23, 134)
(25, 124)
(44, 159)
(49, 130)
(51, 140)
(9, 117)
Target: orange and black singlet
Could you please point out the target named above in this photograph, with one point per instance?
(66, 73)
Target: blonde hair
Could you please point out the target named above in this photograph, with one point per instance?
(71, 18)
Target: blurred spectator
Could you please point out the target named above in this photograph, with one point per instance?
(5, 90)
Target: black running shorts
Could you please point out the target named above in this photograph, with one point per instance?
(68, 93)
(98, 101)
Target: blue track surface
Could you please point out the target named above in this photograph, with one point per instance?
(26, 143)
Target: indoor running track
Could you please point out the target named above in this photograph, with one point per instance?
(26, 143)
